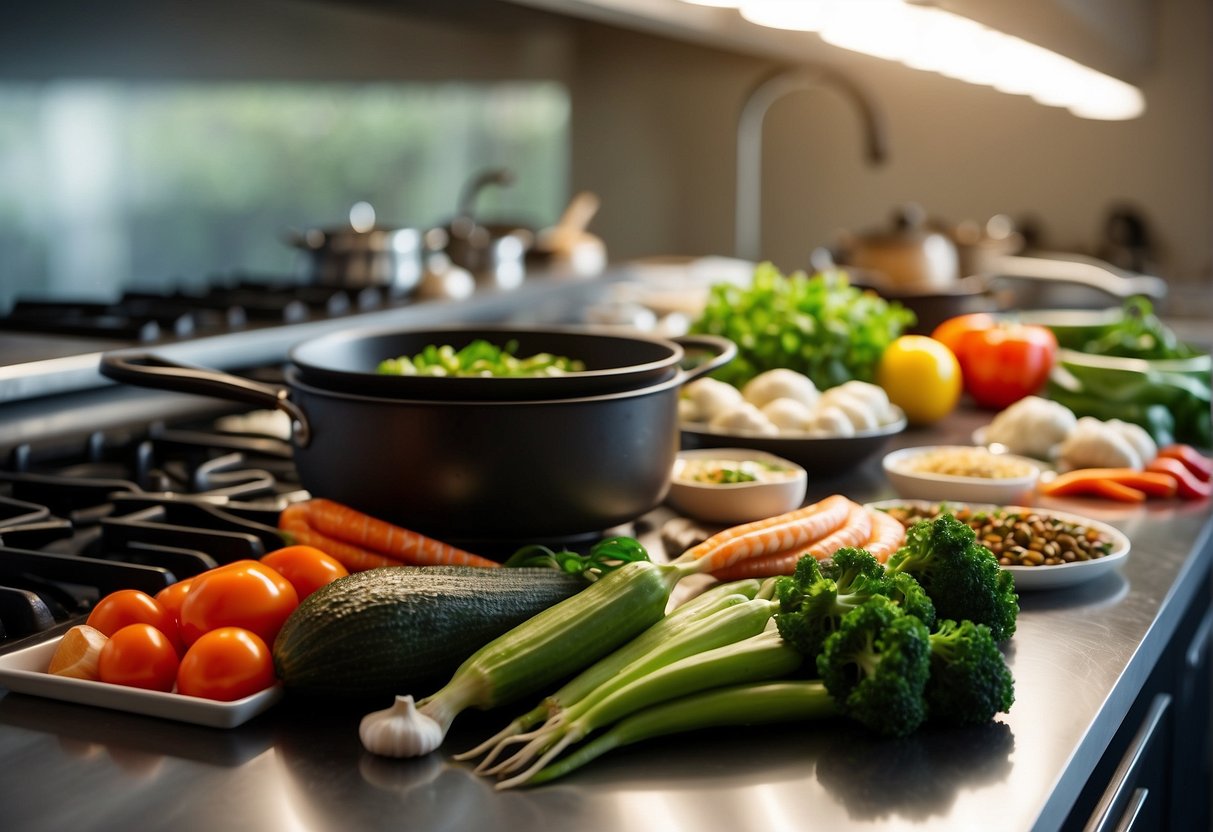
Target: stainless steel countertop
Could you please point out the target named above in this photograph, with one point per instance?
(1079, 658)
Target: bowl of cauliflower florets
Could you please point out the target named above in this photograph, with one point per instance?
(782, 412)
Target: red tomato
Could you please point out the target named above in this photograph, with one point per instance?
(138, 656)
(1006, 362)
(226, 664)
(130, 606)
(171, 598)
(306, 567)
(951, 331)
(241, 594)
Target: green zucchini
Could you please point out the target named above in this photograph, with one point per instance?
(404, 629)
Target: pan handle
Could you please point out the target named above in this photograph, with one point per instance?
(145, 369)
(704, 353)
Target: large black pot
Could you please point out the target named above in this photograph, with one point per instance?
(347, 362)
(526, 471)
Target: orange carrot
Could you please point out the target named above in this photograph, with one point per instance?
(1114, 490)
(887, 535)
(794, 531)
(854, 531)
(293, 521)
(1094, 482)
(378, 539)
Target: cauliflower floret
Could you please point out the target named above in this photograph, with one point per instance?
(1032, 426)
(765, 388)
(831, 420)
(708, 397)
(787, 414)
(743, 417)
(1096, 444)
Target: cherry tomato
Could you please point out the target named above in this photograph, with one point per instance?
(130, 606)
(950, 332)
(226, 664)
(171, 598)
(244, 594)
(139, 656)
(1006, 362)
(306, 567)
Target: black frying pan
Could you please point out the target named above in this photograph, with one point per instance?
(347, 361)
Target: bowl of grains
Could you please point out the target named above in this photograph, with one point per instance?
(960, 472)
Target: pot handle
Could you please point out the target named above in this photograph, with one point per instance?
(145, 369)
(717, 352)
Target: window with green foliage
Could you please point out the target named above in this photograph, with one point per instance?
(107, 185)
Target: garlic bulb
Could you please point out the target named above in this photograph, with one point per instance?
(400, 731)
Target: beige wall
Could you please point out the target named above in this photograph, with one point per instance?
(654, 133)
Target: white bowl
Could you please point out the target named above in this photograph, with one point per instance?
(922, 485)
(740, 502)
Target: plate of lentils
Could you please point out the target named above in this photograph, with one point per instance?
(1043, 548)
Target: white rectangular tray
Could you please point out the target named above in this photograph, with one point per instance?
(24, 671)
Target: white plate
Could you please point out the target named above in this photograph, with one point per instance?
(1049, 577)
(24, 671)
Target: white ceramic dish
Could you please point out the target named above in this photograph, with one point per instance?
(818, 455)
(24, 671)
(1032, 578)
(736, 502)
(922, 485)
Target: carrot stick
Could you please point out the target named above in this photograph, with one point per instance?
(1093, 482)
(888, 534)
(1114, 490)
(293, 521)
(799, 530)
(352, 526)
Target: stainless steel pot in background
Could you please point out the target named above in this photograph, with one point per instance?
(364, 254)
(494, 253)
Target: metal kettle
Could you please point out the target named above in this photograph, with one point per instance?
(908, 256)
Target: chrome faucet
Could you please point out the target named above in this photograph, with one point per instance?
(747, 241)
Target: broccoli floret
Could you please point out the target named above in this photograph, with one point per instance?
(903, 589)
(849, 563)
(876, 667)
(812, 605)
(961, 576)
(969, 681)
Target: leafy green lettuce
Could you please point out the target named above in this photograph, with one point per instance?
(818, 325)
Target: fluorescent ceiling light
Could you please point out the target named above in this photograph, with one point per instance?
(720, 4)
(934, 40)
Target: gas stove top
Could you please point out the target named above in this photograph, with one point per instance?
(52, 347)
(134, 508)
